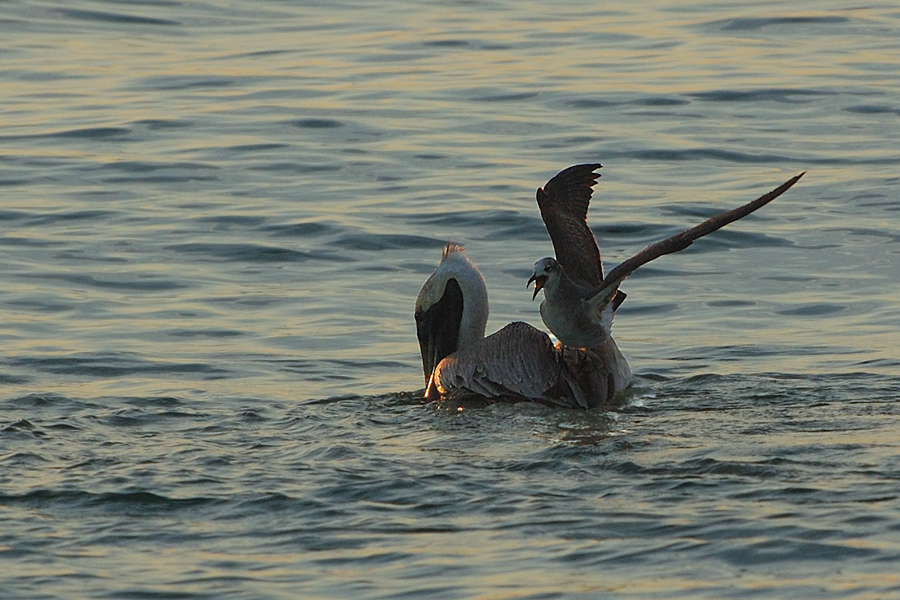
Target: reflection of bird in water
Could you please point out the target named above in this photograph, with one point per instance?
(520, 362)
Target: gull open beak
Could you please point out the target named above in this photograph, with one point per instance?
(539, 282)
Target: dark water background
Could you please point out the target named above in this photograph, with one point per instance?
(215, 218)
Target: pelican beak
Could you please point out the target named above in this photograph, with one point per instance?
(438, 335)
(539, 282)
(438, 329)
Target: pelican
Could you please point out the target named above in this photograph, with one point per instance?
(579, 302)
(519, 362)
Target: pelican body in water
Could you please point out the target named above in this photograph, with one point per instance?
(519, 362)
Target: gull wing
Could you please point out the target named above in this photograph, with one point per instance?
(564, 204)
(682, 240)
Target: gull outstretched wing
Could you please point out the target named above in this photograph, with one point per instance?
(564, 202)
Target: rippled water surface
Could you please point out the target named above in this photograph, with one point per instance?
(216, 216)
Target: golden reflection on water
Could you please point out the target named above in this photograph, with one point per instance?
(474, 84)
(156, 181)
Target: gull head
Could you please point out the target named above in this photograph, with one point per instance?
(544, 269)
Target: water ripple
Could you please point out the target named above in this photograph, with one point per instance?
(755, 24)
(216, 218)
(110, 365)
(119, 18)
(253, 253)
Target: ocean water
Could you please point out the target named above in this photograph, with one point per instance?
(214, 221)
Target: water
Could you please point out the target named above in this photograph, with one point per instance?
(215, 219)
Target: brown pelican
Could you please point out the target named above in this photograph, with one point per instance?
(520, 362)
(579, 307)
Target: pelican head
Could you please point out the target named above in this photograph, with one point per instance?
(451, 309)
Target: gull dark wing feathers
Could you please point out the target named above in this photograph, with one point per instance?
(564, 202)
(684, 239)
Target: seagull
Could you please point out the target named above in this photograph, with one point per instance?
(579, 302)
(520, 362)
